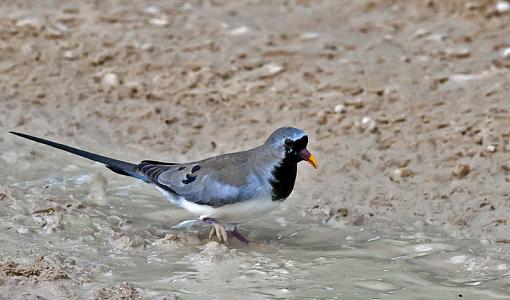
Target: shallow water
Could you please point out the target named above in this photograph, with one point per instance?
(113, 228)
(427, 76)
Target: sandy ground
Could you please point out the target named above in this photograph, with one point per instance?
(405, 102)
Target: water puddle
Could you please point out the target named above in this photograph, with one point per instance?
(120, 231)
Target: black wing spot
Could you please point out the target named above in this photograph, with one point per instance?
(195, 168)
(181, 168)
(152, 169)
(189, 179)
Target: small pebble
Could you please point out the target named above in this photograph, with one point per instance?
(491, 148)
(309, 35)
(69, 55)
(240, 30)
(421, 32)
(461, 171)
(53, 33)
(146, 46)
(152, 10)
(159, 21)
(368, 123)
(457, 52)
(29, 22)
(269, 70)
(61, 27)
(438, 37)
(405, 59)
(71, 9)
(339, 108)
(273, 69)
(323, 119)
(399, 173)
(506, 53)
(502, 6)
(358, 103)
(110, 79)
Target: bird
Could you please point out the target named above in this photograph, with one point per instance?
(222, 191)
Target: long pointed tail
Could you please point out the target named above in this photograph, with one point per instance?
(117, 166)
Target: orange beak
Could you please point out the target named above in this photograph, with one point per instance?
(306, 155)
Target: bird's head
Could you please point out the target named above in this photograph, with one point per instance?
(290, 143)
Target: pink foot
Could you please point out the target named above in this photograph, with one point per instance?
(239, 236)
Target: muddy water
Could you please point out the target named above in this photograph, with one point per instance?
(103, 229)
(395, 95)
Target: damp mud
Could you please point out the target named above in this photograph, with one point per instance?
(406, 108)
(56, 245)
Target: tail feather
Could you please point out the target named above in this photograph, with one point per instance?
(117, 166)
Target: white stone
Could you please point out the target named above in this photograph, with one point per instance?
(159, 21)
(31, 22)
(421, 32)
(110, 79)
(339, 108)
(502, 6)
(368, 123)
(69, 55)
(273, 69)
(152, 10)
(309, 35)
(240, 30)
(506, 53)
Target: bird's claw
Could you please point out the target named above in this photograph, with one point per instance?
(217, 230)
(212, 233)
(221, 234)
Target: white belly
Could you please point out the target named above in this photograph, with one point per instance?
(232, 213)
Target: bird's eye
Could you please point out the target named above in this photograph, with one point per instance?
(288, 143)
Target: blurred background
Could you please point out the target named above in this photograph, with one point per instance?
(405, 103)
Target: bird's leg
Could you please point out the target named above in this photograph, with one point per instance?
(221, 234)
(239, 236)
(211, 221)
(217, 230)
(212, 233)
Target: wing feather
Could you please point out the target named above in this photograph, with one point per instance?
(195, 182)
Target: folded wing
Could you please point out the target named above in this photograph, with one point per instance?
(195, 182)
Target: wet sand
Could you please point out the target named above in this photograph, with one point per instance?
(405, 103)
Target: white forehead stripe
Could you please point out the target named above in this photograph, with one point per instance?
(297, 135)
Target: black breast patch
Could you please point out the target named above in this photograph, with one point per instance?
(284, 179)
